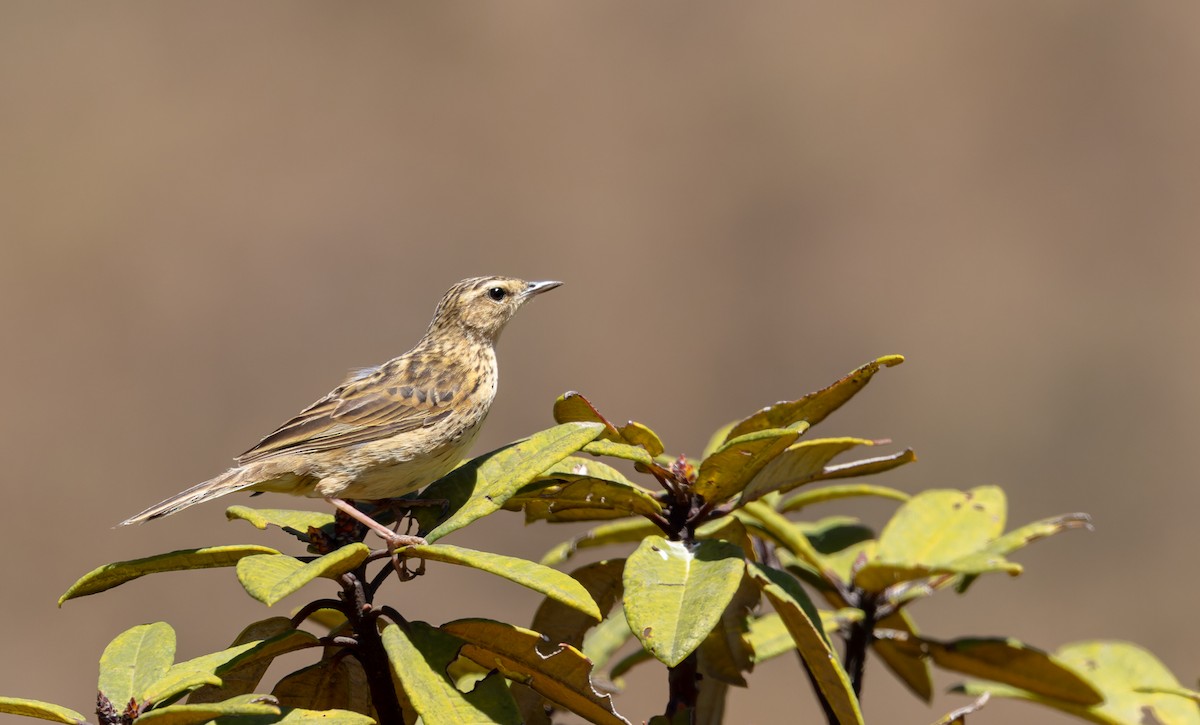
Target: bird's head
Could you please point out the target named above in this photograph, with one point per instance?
(482, 306)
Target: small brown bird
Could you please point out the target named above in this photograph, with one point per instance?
(388, 430)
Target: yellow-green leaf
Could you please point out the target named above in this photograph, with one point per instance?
(583, 499)
(769, 637)
(201, 714)
(640, 435)
(324, 685)
(271, 578)
(726, 653)
(41, 710)
(559, 673)
(481, 486)
(419, 656)
(1176, 691)
(727, 471)
(624, 451)
(550, 582)
(135, 660)
(603, 641)
(939, 526)
(814, 407)
(809, 461)
(291, 521)
(833, 493)
(1118, 670)
(618, 532)
(567, 625)
(1029, 533)
(573, 468)
(117, 573)
(1008, 661)
(675, 593)
(804, 624)
(784, 532)
(266, 640)
(934, 531)
(574, 407)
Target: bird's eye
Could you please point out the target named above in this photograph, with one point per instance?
(497, 293)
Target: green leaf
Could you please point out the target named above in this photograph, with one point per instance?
(193, 673)
(299, 716)
(640, 435)
(1027, 534)
(135, 660)
(675, 594)
(117, 573)
(41, 710)
(726, 472)
(481, 486)
(785, 533)
(551, 582)
(940, 526)
(808, 461)
(1118, 670)
(1176, 691)
(328, 684)
(419, 656)
(294, 522)
(271, 578)
(562, 624)
(200, 714)
(583, 499)
(1008, 661)
(769, 637)
(938, 531)
(573, 468)
(559, 673)
(814, 407)
(567, 625)
(574, 407)
(805, 499)
(725, 653)
(267, 640)
(804, 624)
(618, 532)
(603, 641)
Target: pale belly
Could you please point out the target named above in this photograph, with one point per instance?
(380, 470)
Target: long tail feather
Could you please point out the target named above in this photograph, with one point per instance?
(235, 479)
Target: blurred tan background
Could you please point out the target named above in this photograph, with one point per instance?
(210, 211)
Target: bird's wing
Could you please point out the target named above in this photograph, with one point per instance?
(371, 405)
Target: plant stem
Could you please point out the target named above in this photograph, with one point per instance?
(862, 633)
(375, 664)
(370, 652)
(683, 681)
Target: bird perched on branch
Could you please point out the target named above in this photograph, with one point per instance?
(388, 430)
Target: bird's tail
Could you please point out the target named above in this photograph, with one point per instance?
(235, 479)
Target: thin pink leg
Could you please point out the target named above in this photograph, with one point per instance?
(393, 539)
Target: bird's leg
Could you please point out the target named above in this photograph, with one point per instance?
(402, 508)
(393, 539)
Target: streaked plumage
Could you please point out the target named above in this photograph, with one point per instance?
(389, 430)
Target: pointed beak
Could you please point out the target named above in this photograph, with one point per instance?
(536, 288)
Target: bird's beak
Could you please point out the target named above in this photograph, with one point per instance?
(536, 288)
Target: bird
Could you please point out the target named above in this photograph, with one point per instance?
(388, 430)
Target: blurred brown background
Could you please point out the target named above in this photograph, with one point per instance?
(209, 211)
